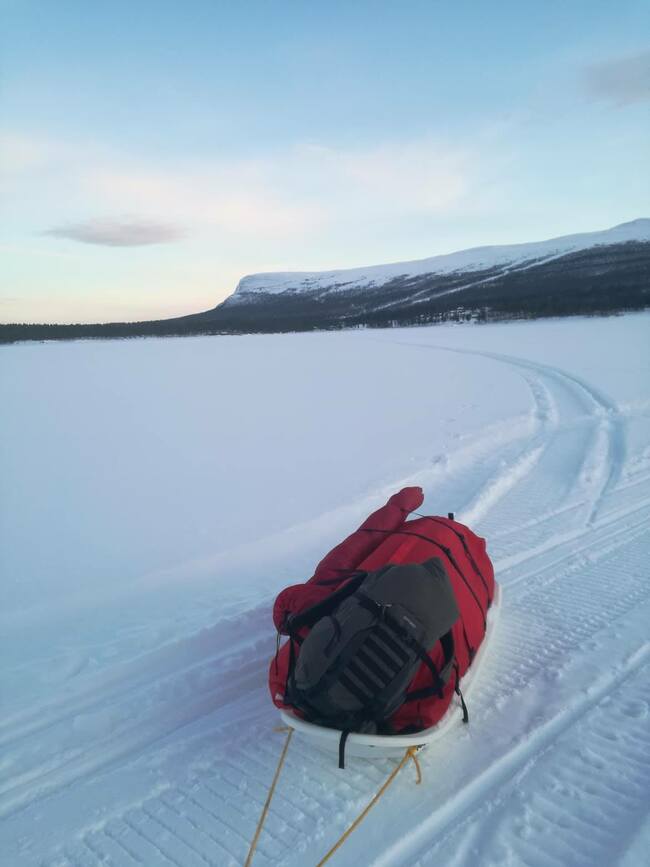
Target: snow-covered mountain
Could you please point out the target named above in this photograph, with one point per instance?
(477, 259)
(594, 272)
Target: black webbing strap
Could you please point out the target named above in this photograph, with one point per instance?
(468, 553)
(321, 609)
(460, 695)
(277, 651)
(290, 668)
(449, 649)
(438, 685)
(385, 617)
(345, 574)
(342, 740)
(447, 642)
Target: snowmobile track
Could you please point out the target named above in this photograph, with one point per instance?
(567, 516)
(545, 828)
(224, 804)
(553, 390)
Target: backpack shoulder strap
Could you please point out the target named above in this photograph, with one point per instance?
(440, 678)
(311, 615)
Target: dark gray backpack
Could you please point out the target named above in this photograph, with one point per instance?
(366, 644)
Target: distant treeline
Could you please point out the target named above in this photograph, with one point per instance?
(163, 328)
(602, 280)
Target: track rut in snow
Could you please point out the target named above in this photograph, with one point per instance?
(565, 807)
(578, 442)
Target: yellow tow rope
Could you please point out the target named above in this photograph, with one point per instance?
(409, 754)
(267, 804)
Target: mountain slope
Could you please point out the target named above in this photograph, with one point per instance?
(475, 261)
(595, 272)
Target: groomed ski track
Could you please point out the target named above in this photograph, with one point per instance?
(177, 747)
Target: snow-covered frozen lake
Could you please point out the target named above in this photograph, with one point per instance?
(157, 494)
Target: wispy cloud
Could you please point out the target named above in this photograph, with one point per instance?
(233, 198)
(621, 80)
(126, 232)
(307, 188)
(250, 209)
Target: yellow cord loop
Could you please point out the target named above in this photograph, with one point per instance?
(409, 754)
(412, 752)
(267, 804)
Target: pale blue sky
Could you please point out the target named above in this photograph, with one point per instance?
(155, 152)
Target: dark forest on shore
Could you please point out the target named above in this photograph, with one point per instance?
(599, 281)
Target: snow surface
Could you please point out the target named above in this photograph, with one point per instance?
(475, 259)
(158, 493)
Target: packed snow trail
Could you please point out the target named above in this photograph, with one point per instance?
(165, 758)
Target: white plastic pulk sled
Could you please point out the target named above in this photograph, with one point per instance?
(405, 747)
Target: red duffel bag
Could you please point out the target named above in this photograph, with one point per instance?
(387, 537)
